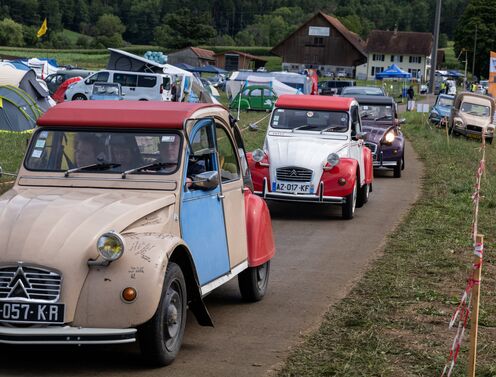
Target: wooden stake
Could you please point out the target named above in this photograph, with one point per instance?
(474, 321)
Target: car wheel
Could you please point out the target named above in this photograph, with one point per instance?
(79, 97)
(161, 337)
(253, 282)
(348, 208)
(397, 169)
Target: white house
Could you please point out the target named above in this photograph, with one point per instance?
(411, 51)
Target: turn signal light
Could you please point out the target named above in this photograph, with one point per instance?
(341, 181)
(129, 294)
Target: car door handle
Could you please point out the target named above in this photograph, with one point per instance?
(220, 196)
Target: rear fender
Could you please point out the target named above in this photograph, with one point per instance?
(261, 247)
(369, 166)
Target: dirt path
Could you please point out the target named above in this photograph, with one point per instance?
(319, 257)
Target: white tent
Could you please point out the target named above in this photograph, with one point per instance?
(234, 87)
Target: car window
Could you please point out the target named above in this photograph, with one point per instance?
(125, 79)
(228, 162)
(310, 120)
(376, 112)
(203, 157)
(166, 83)
(443, 101)
(475, 109)
(100, 77)
(355, 120)
(147, 81)
(256, 93)
(61, 150)
(268, 93)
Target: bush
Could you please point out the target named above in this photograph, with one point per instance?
(11, 33)
(83, 41)
(114, 40)
(60, 40)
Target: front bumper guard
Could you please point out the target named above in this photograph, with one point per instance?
(380, 163)
(65, 335)
(306, 198)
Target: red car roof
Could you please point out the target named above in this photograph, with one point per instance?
(121, 114)
(293, 101)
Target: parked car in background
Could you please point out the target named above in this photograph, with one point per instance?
(332, 87)
(135, 85)
(384, 138)
(341, 74)
(485, 86)
(442, 109)
(123, 217)
(362, 91)
(424, 89)
(254, 97)
(59, 94)
(314, 152)
(472, 115)
(106, 91)
(54, 80)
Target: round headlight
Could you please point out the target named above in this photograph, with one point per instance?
(333, 159)
(458, 122)
(389, 138)
(110, 246)
(258, 155)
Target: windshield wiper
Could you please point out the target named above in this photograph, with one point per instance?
(96, 166)
(153, 166)
(328, 129)
(384, 117)
(301, 127)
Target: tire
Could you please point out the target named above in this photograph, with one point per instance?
(143, 99)
(348, 208)
(253, 282)
(79, 97)
(161, 337)
(363, 195)
(397, 169)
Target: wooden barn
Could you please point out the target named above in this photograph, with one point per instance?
(322, 43)
(237, 60)
(194, 56)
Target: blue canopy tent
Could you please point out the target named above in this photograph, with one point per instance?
(184, 66)
(393, 72)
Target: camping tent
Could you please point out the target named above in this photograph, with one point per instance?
(25, 80)
(18, 111)
(233, 87)
(393, 72)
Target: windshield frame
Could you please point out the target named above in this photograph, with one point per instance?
(488, 107)
(94, 130)
(313, 131)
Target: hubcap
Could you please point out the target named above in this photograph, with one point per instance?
(173, 313)
(261, 275)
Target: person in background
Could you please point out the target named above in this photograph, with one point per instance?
(410, 93)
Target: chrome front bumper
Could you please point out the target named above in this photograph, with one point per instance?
(307, 198)
(65, 335)
(380, 163)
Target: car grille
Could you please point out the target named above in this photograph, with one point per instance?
(371, 146)
(294, 174)
(474, 128)
(29, 283)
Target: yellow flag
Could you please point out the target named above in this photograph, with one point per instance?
(43, 29)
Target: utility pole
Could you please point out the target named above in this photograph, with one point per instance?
(434, 47)
(475, 47)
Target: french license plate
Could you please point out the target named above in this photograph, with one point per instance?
(474, 136)
(299, 188)
(31, 312)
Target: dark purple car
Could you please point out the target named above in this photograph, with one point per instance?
(384, 138)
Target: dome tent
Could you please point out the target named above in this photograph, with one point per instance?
(18, 111)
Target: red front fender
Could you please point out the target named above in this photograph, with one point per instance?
(369, 165)
(261, 245)
(347, 169)
(258, 172)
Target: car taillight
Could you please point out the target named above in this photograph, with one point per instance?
(161, 88)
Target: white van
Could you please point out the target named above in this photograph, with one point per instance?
(136, 86)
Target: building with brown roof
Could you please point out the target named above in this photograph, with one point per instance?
(194, 56)
(322, 43)
(411, 51)
(237, 60)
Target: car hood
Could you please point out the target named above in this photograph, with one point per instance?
(301, 151)
(475, 120)
(58, 227)
(376, 130)
(443, 110)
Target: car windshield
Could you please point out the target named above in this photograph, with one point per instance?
(91, 151)
(475, 109)
(447, 102)
(376, 112)
(371, 91)
(310, 120)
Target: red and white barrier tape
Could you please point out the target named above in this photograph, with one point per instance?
(462, 312)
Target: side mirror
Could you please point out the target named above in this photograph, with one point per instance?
(206, 181)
